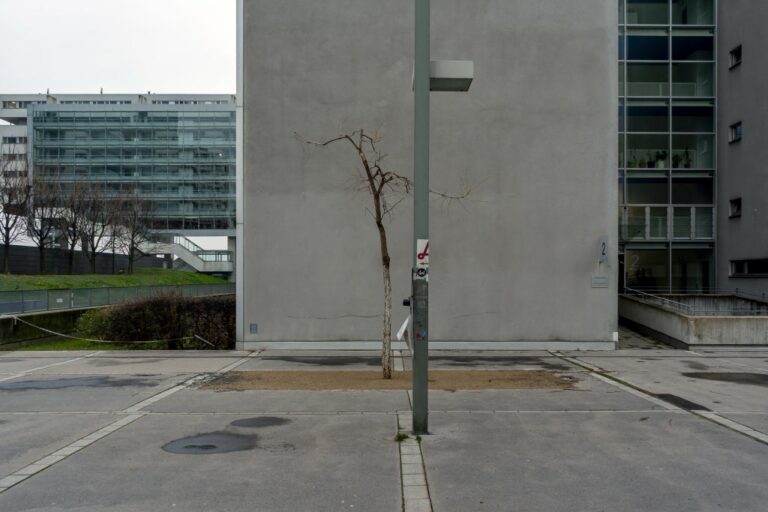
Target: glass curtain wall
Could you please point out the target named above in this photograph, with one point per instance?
(667, 130)
(182, 161)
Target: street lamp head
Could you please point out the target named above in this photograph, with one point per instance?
(451, 75)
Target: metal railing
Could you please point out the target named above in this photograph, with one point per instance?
(712, 302)
(27, 301)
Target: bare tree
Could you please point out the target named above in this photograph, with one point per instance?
(133, 218)
(14, 200)
(73, 205)
(95, 223)
(387, 189)
(45, 215)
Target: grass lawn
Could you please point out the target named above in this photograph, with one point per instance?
(68, 344)
(140, 277)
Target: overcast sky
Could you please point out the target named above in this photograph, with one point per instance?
(124, 46)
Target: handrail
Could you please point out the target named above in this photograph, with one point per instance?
(759, 307)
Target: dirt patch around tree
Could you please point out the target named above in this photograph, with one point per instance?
(449, 380)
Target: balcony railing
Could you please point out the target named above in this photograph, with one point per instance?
(667, 223)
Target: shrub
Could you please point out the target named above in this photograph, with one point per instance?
(177, 321)
(92, 324)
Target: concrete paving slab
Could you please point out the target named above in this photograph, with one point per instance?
(29, 437)
(144, 363)
(331, 362)
(44, 354)
(308, 463)
(592, 461)
(197, 400)
(589, 395)
(14, 365)
(756, 421)
(66, 393)
(715, 383)
(319, 353)
(756, 363)
(496, 361)
(624, 353)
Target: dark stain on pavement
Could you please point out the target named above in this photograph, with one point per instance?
(752, 379)
(260, 422)
(212, 442)
(695, 365)
(99, 381)
(475, 361)
(121, 361)
(328, 360)
(681, 402)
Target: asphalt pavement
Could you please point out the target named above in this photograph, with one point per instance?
(642, 429)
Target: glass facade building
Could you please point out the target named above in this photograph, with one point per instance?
(667, 144)
(181, 157)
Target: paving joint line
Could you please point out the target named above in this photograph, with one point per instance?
(414, 486)
(187, 383)
(57, 456)
(710, 416)
(133, 413)
(60, 363)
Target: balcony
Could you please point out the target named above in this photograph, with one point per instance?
(649, 223)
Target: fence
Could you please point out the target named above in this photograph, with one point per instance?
(27, 301)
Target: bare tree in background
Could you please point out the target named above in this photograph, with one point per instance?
(133, 219)
(44, 216)
(96, 222)
(73, 206)
(14, 201)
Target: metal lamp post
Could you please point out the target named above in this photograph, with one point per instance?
(435, 76)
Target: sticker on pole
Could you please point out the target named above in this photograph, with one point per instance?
(422, 253)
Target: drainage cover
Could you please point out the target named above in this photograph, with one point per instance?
(681, 402)
(213, 442)
(260, 422)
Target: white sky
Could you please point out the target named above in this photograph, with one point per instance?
(124, 46)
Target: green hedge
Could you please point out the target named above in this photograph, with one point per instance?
(172, 319)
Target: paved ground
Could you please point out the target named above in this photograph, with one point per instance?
(645, 429)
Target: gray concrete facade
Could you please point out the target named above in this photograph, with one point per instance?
(514, 263)
(743, 236)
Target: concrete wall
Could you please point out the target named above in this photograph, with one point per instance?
(696, 330)
(535, 135)
(743, 165)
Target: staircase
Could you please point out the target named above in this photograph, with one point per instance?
(191, 254)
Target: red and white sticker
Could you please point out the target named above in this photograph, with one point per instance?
(422, 253)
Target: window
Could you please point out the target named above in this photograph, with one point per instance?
(734, 209)
(749, 268)
(735, 57)
(734, 134)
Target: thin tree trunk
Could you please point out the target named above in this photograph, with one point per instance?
(131, 257)
(41, 258)
(386, 348)
(71, 257)
(113, 254)
(386, 345)
(6, 258)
